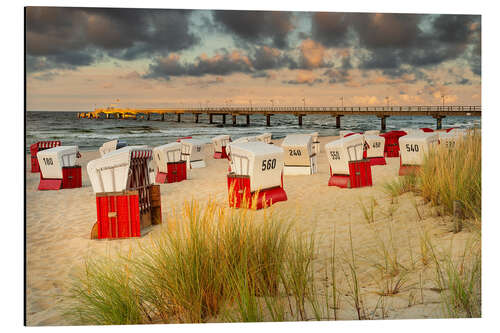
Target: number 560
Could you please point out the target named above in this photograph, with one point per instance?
(268, 164)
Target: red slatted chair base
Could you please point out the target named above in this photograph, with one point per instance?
(176, 172)
(118, 216)
(241, 197)
(35, 168)
(221, 154)
(342, 181)
(161, 178)
(377, 161)
(72, 177)
(360, 175)
(50, 184)
(268, 197)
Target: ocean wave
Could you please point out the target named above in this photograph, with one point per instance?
(90, 134)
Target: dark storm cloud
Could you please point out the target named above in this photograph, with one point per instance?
(337, 75)
(66, 60)
(340, 74)
(262, 74)
(453, 28)
(265, 57)
(457, 77)
(224, 63)
(399, 72)
(394, 40)
(205, 83)
(257, 26)
(220, 65)
(309, 83)
(475, 65)
(371, 30)
(463, 81)
(76, 36)
(386, 30)
(330, 29)
(381, 59)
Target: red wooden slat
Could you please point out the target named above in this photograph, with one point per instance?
(126, 223)
(72, 177)
(50, 184)
(161, 177)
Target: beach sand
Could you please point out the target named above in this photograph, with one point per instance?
(58, 225)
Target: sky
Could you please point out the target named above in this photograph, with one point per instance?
(81, 58)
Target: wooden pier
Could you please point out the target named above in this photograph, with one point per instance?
(382, 112)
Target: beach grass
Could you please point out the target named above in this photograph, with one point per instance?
(351, 274)
(103, 295)
(401, 185)
(458, 277)
(450, 175)
(207, 260)
(368, 212)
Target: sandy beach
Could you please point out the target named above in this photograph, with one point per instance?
(58, 225)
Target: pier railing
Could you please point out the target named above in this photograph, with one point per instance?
(306, 109)
(436, 111)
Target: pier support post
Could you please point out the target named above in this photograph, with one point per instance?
(196, 117)
(439, 121)
(382, 122)
(248, 120)
(337, 121)
(268, 120)
(107, 115)
(149, 116)
(224, 119)
(211, 118)
(162, 117)
(300, 120)
(178, 117)
(234, 119)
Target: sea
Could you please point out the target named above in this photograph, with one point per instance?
(90, 134)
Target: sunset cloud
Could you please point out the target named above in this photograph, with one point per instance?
(305, 77)
(312, 54)
(366, 100)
